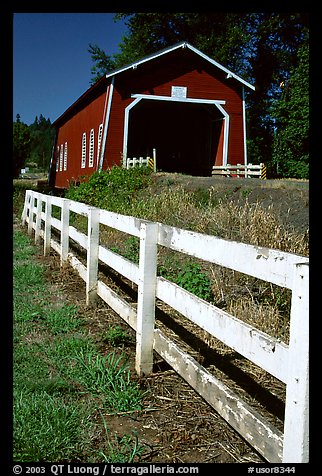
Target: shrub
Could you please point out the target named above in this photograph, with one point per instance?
(112, 189)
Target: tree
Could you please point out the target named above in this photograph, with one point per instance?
(291, 141)
(222, 36)
(21, 145)
(103, 62)
(276, 38)
(41, 140)
(150, 32)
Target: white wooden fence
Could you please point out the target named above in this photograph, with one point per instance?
(288, 363)
(240, 170)
(151, 162)
(136, 162)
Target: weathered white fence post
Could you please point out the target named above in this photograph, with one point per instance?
(92, 254)
(154, 152)
(296, 423)
(146, 298)
(47, 233)
(64, 233)
(38, 218)
(31, 212)
(25, 207)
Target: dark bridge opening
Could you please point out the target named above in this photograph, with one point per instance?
(186, 136)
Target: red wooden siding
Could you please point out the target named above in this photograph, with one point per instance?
(90, 116)
(114, 139)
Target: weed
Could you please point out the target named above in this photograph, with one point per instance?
(123, 450)
(109, 378)
(28, 274)
(245, 192)
(63, 319)
(129, 248)
(23, 247)
(116, 336)
(132, 249)
(194, 280)
(187, 274)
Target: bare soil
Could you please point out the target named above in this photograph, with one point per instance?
(177, 425)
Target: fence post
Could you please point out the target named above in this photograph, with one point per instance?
(92, 254)
(38, 218)
(64, 233)
(47, 233)
(296, 422)
(154, 154)
(146, 298)
(25, 207)
(31, 212)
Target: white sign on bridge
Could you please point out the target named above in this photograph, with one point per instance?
(178, 91)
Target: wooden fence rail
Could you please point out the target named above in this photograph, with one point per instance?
(151, 162)
(240, 170)
(289, 363)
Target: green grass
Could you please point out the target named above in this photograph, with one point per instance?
(116, 336)
(60, 378)
(46, 427)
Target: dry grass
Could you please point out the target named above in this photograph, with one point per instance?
(244, 221)
(254, 301)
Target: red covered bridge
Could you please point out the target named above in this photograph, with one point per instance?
(178, 101)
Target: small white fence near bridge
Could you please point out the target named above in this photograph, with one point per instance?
(151, 162)
(239, 170)
(288, 363)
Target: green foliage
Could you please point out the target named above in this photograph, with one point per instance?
(275, 39)
(109, 378)
(150, 32)
(19, 193)
(195, 281)
(32, 144)
(116, 336)
(113, 189)
(132, 249)
(291, 142)
(21, 146)
(103, 62)
(189, 276)
(41, 142)
(123, 450)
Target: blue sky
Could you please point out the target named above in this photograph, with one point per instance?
(51, 64)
